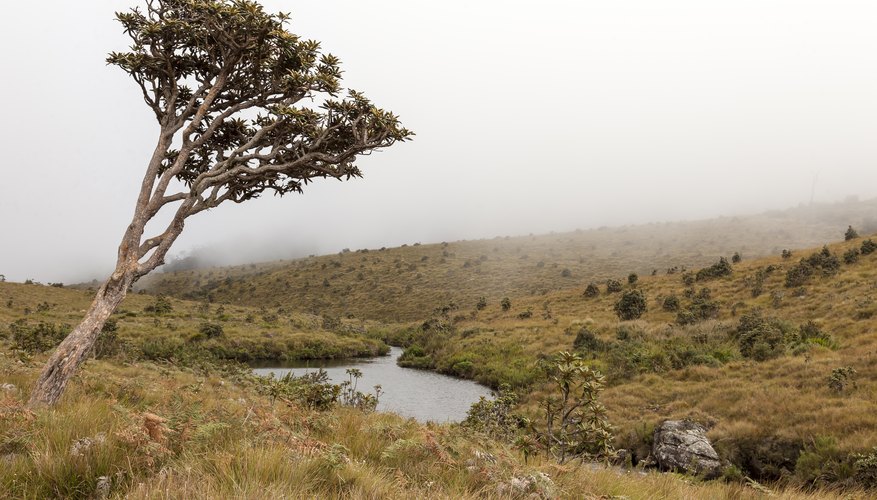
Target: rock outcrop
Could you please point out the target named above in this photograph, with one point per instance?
(682, 445)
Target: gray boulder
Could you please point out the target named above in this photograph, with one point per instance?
(681, 445)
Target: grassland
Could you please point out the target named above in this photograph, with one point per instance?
(181, 327)
(788, 403)
(153, 430)
(764, 410)
(409, 282)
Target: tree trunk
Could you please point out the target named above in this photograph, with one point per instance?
(61, 367)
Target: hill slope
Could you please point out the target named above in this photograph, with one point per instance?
(410, 282)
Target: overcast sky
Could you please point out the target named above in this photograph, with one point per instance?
(530, 117)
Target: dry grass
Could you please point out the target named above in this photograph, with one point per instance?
(408, 283)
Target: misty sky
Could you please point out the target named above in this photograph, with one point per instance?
(530, 117)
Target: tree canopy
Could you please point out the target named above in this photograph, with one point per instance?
(244, 107)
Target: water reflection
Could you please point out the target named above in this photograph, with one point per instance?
(423, 395)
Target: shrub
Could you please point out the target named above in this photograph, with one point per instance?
(591, 291)
(481, 304)
(506, 304)
(850, 234)
(210, 330)
(495, 417)
(586, 341)
(736, 258)
(787, 254)
(688, 279)
(108, 342)
(613, 286)
(671, 303)
(161, 306)
(566, 273)
(575, 424)
(37, 338)
(525, 314)
(851, 256)
(842, 378)
(759, 338)
(702, 307)
(868, 247)
(631, 305)
(717, 270)
(824, 261)
(632, 278)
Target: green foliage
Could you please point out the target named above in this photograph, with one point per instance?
(591, 291)
(481, 304)
(210, 330)
(787, 254)
(586, 341)
(313, 389)
(851, 256)
(736, 258)
(823, 261)
(842, 379)
(506, 303)
(868, 247)
(822, 463)
(496, 417)
(850, 234)
(760, 338)
(717, 270)
(631, 305)
(525, 314)
(701, 308)
(416, 357)
(670, 303)
(350, 396)
(41, 337)
(573, 423)
(632, 278)
(613, 286)
(108, 342)
(161, 306)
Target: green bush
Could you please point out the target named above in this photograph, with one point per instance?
(701, 308)
(631, 305)
(506, 304)
(868, 247)
(591, 291)
(851, 256)
(850, 234)
(161, 306)
(670, 303)
(842, 378)
(717, 270)
(210, 330)
(586, 341)
(41, 337)
(632, 278)
(760, 338)
(613, 286)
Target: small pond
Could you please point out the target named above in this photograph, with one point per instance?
(423, 395)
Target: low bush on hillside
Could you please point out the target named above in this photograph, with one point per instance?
(591, 291)
(613, 286)
(40, 337)
(631, 305)
(824, 262)
(719, 269)
(702, 307)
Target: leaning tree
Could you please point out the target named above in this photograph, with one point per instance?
(244, 107)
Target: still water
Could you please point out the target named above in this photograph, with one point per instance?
(423, 395)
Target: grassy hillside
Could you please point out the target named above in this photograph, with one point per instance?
(742, 358)
(152, 430)
(162, 328)
(410, 282)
